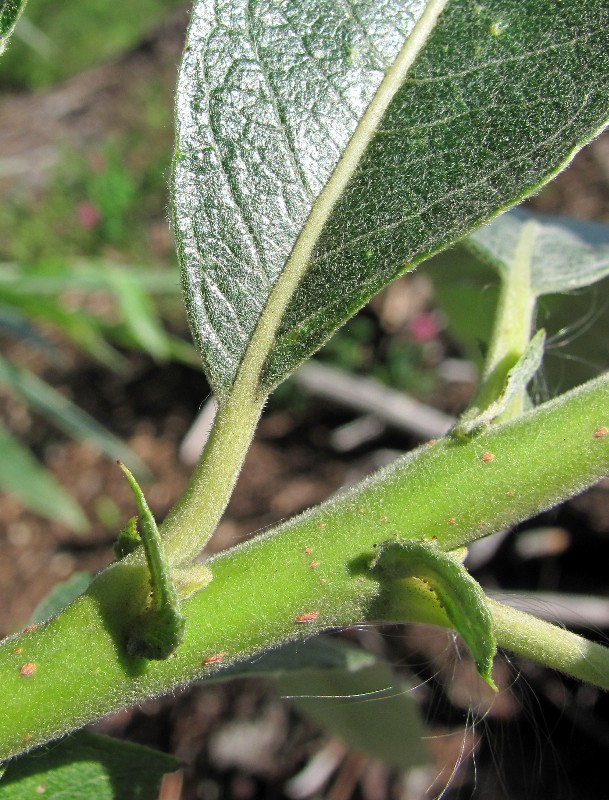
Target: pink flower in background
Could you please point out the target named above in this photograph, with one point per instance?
(425, 327)
(87, 214)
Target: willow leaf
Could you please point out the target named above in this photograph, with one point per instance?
(10, 11)
(324, 147)
(566, 254)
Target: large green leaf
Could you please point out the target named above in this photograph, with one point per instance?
(10, 11)
(87, 765)
(323, 148)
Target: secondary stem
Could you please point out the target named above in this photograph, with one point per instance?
(550, 645)
(513, 326)
(194, 518)
(515, 631)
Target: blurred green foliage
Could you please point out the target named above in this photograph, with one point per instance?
(55, 40)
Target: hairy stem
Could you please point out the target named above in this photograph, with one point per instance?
(311, 573)
(512, 328)
(516, 631)
(192, 521)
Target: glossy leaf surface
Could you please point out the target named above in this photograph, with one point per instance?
(323, 149)
(10, 11)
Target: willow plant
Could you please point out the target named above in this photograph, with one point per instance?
(322, 150)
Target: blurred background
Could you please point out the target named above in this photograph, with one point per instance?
(96, 364)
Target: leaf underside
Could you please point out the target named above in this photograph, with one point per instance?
(500, 96)
(567, 254)
(10, 11)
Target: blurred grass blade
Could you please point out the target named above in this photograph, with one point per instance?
(82, 329)
(35, 487)
(10, 11)
(88, 276)
(65, 414)
(38, 291)
(138, 312)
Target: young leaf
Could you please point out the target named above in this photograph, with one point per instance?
(10, 11)
(159, 629)
(461, 596)
(128, 539)
(566, 254)
(322, 150)
(516, 381)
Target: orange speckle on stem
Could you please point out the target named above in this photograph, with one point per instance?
(314, 564)
(28, 669)
(17, 651)
(27, 738)
(322, 581)
(213, 659)
(307, 551)
(383, 518)
(452, 521)
(310, 616)
(511, 493)
(322, 525)
(31, 628)
(486, 457)
(601, 432)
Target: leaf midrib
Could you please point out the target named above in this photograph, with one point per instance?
(248, 376)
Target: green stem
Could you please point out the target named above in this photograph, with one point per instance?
(513, 326)
(311, 573)
(550, 645)
(515, 631)
(192, 521)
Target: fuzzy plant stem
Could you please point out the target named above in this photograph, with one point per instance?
(513, 326)
(195, 517)
(313, 572)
